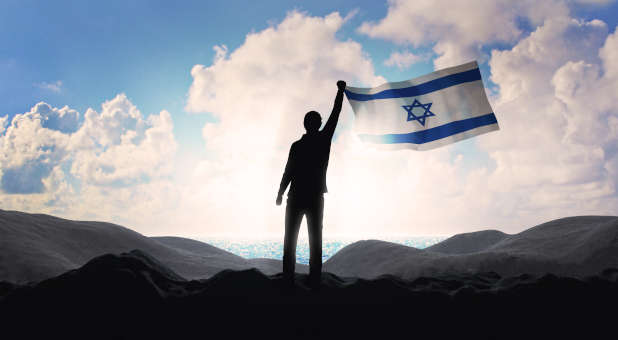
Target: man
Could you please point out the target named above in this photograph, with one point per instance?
(306, 171)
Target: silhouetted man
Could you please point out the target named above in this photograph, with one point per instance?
(306, 171)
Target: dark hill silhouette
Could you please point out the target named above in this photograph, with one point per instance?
(471, 285)
(133, 295)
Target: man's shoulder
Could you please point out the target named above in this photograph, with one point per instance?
(296, 143)
(320, 138)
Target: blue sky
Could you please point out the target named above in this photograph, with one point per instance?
(81, 54)
(142, 48)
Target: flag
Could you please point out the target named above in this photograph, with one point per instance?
(423, 113)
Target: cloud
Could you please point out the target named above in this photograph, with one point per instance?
(65, 120)
(457, 30)
(402, 60)
(26, 179)
(52, 162)
(555, 154)
(30, 146)
(374, 191)
(547, 161)
(54, 87)
(556, 150)
(118, 146)
(116, 165)
(260, 93)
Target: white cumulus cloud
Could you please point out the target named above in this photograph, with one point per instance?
(113, 165)
(119, 146)
(556, 152)
(457, 30)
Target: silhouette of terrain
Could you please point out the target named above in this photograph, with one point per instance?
(75, 279)
(572, 246)
(133, 295)
(34, 247)
(468, 242)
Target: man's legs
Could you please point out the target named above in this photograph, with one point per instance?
(293, 217)
(314, 224)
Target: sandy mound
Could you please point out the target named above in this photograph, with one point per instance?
(573, 246)
(36, 246)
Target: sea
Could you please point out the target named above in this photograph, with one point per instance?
(273, 247)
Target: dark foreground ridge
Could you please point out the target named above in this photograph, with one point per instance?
(133, 295)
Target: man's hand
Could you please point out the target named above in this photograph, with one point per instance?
(279, 199)
(341, 85)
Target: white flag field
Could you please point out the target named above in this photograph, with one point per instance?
(423, 113)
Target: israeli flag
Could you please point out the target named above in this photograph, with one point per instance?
(423, 113)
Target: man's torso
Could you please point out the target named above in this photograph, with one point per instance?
(310, 156)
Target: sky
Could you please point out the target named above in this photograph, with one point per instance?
(176, 118)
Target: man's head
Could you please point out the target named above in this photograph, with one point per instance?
(312, 121)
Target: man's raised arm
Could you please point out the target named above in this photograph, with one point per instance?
(331, 124)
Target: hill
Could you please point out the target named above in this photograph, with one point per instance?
(132, 295)
(34, 247)
(573, 246)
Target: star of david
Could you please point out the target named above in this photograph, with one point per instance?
(420, 118)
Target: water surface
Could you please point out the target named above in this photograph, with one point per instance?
(273, 248)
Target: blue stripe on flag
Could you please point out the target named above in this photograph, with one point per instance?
(417, 90)
(429, 135)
